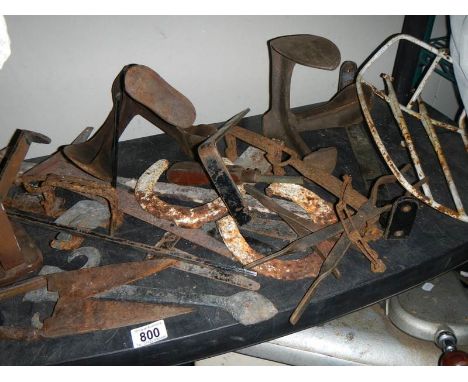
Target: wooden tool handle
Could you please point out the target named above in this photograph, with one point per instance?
(454, 358)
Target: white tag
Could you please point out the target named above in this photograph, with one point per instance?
(148, 334)
(427, 287)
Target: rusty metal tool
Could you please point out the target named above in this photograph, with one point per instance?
(218, 173)
(174, 253)
(59, 166)
(82, 282)
(294, 269)
(276, 153)
(340, 249)
(285, 52)
(27, 165)
(188, 217)
(199, 195)
(89, 188)
(148, 188)
(19, 255)
(137, 90)
(342, 110)
(301, 244)
(192, 174)
(312, 239)
(317, 209)
(168, 242)
(330, 263)
(246, 307)
(93, 259)
(300, 225)
(78, 312)
(372, 214)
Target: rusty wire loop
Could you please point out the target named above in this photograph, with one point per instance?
(428, 123)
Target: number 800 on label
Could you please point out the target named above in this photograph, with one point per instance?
(148, 334)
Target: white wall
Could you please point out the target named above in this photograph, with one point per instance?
(58, 78)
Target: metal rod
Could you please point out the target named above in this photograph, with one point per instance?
(423, 81)
(173, 253)
(441, 156)
(279, 179)
(394, 105)
(301, 243)
(330, 263)
(415, 114)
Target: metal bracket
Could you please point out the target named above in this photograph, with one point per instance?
(401, 218)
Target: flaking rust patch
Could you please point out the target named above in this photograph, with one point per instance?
(186, 217)
(278, 269)
(319, 210)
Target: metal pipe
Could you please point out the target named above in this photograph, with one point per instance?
(421, 84)
(441, 156)
(435, 122)
(173, 253)
(394, 105)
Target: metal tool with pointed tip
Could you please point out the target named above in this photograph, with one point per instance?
(138, 246)
(247, 307)
(78, 312)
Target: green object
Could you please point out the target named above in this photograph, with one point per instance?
(444, 68)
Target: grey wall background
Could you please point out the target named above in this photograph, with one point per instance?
(58, 78)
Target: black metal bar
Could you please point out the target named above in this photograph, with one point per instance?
(142, 247)
(407, 56)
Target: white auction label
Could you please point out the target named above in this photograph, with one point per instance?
(148, 334)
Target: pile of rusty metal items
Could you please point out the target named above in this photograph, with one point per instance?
(275, 176)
